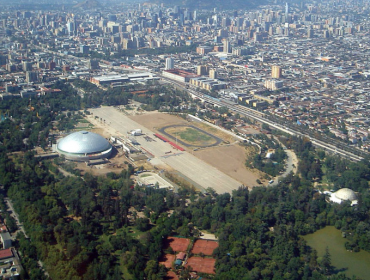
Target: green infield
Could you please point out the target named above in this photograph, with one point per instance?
(192, 135)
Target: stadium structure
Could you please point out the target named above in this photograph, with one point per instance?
(84, 146)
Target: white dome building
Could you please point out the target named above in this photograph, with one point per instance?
(84, 146)
(344, 194)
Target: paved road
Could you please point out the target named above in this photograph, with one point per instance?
(342, 151)
(16, 218)
(197, 170)
(21, 228)
(291, 162)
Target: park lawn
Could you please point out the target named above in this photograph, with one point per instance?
(324, 180)
(83, 121)
(193, 135)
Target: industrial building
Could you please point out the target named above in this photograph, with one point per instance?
(109, 79)
(178, 75)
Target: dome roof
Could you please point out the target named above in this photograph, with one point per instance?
(346, 194)
(83, 142)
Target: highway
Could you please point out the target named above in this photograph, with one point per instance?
(261, 117)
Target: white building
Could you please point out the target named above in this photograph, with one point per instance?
(341, 195)
(170, 64)
(273, 84)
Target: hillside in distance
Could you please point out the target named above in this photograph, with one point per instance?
(87, 4)
(210, 4)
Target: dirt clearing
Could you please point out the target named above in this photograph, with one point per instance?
(155, 120)
(230, 160)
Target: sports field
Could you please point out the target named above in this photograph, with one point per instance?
(221, 167)
(190, 136)
(177, 244)
(167, 260)
(204, 265)
(204, 246)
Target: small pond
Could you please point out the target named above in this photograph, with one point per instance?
(352, 263)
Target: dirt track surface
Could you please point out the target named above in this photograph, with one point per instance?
(214, 141)
(156, 120)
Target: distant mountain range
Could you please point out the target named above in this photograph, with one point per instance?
(87, 4)
(210, 4)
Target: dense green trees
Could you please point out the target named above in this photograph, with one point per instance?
(275, 162)
(89, 228)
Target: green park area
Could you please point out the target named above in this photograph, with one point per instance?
(191, 136)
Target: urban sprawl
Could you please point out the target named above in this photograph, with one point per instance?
(306, 64)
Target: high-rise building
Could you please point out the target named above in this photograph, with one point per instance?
(26, 14)
(227, 46)
(276, 72)
(84, 49)
(223, 33)
(213, 74)
(202, 70)
(176, 9)
(11, 67)
(271, 31)
(273, 84)
(31, 76)
(169, 63)
(2, 60)
(225, 22)
(286, 31)
(26, 66)
(93, 64)
(310, 33)
(51, 65)
(70, 28)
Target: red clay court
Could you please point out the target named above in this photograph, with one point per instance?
(204, 265)
(177, 244)
(204, 246)
(167, 260)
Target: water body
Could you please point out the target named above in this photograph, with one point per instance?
(352, 263)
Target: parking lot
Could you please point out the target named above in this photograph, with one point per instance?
(151, 179)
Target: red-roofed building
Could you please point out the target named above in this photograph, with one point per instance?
(180, 256)
(6, 253)
(179, 75)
